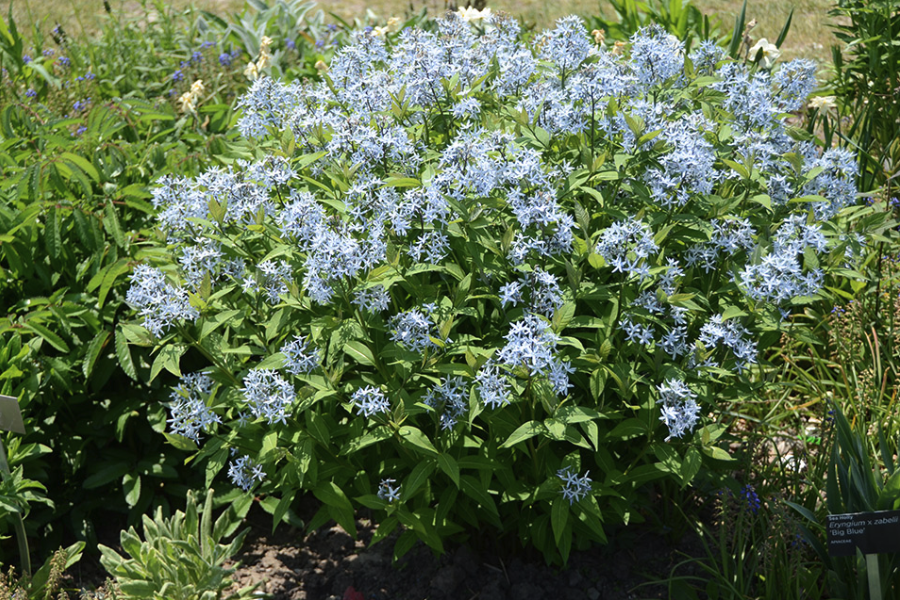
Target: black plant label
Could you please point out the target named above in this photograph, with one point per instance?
(870, 532)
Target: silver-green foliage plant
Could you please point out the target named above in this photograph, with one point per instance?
(180, 558)
(465, 279)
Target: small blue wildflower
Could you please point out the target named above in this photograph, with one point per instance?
(188, 408)
(31, 93)
(751, 499)
(26, 59)
(178, 75)
(80, 105)
(371, 401)
(197, 57)
(48, 52)
(268, 395)
(450, 399)
(207, 44)
(576, 487)
(300, 356)
(290, 44)
(64, 61)
(320, 44)
(81, 130)
(387, 491)
(225, 59)
(680, 411)
(243, 471)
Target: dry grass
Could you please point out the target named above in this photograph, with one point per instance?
(810, 35)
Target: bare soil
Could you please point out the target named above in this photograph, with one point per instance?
(329, 564)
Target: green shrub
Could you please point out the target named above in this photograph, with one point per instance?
(463, 281)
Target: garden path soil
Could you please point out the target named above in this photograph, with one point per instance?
(329, 565)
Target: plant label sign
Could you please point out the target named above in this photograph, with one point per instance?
(871, 532)
(10, 415)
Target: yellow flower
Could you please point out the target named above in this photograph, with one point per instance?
(251, 72)
(599, 36)
(197, 88)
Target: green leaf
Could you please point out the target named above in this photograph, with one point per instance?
(93, 353)
(182, 443)
(401, 182)
(168, 358)
(473, 489)
(105, 475)
(360, 352)
(52, 236)
(131, 485)
(523, 432)
(690, 466)
(339, 506)
(559, 517)
(281, 510)
(50, 337)
(109, 278)
(210, 324)
(449, 466)
(417, 478)
(415, 437)
(82, 164)
(111, 223)
(576, 414)
(717, 453)
(123, 352)
(627, 429)
(372, 437)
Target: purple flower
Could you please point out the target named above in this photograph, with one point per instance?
(31, 93)
(225, 59)
(290, 44)
(178, 75)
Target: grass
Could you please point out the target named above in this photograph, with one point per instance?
(810, 35)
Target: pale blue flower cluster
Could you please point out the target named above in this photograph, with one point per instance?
(414, 331)
(268, 395)
(243, 472)
(387, 491)
(576, 486)
(492, 385)
(627, 246)
(780, 275)
(531, 343)
(301, 357)
(159, 303)
(449, 399)
(732, 335)
(370, 401)
(188, 407)
(679, 411)
(374, 299)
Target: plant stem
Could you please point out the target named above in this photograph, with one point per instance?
(18, 522)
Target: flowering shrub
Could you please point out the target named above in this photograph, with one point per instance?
(467, 280)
